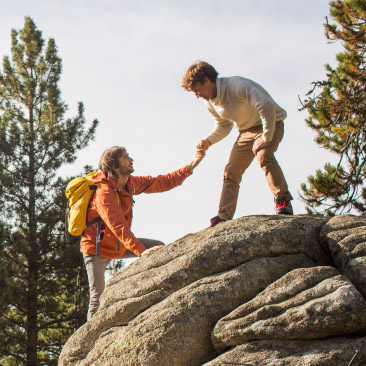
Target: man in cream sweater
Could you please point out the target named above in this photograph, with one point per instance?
(259, 119)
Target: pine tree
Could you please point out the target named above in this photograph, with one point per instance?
(5, 289)
(337, 112)
(48, 296)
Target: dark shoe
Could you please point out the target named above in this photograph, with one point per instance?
(216, 220)
(283, 207)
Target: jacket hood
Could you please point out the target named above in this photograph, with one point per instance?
(100, 178)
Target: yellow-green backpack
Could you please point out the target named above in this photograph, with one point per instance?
(79, 192)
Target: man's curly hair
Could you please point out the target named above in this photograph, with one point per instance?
(197, 73)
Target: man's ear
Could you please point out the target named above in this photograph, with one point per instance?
(114, 170)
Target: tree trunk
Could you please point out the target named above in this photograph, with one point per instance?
(32, 310)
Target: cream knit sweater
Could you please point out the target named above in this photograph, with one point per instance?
(245, 103)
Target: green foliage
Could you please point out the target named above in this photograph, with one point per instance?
(48, 290)
(114, 266)
(337, 112)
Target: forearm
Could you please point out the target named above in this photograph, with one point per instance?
(130, 242)
(268, 117)
(162, 183)
(221, 130)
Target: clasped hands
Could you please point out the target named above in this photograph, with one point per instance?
(199, 155)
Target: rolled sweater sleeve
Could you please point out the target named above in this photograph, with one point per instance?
(114, 217)
(222, 126)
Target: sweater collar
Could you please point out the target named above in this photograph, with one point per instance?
(219, 90)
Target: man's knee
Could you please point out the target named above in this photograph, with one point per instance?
(231, 177)
(265, 158)
(94, 298)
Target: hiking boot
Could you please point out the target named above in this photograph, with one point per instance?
(283, 207)
(215, 220)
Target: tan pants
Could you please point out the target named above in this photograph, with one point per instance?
(95, 267)
(241, 157)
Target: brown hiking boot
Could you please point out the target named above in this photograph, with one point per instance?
(215, 220)
(283, 207)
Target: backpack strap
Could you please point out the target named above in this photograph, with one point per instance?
(99, 234)
(118, 246)
(67, 235)
(98, 237)
(97, 220)
(118, 242)
(92, 222)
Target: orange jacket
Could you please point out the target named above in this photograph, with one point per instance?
(116, 212)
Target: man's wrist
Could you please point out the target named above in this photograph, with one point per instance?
(209, 143)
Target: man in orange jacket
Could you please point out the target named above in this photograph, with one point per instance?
(111, 211)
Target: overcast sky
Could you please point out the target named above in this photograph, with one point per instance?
(125, 61)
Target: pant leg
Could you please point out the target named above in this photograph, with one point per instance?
(95, 267)
(267, 161)
(240, 158)
(148, 243)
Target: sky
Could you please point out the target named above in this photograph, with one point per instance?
(125, 61)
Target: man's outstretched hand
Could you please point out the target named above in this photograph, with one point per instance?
(203, 145)
(199, 155)
(150, 250)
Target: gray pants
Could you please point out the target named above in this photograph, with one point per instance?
(95, 267)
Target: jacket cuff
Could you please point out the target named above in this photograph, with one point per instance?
(186, 171)
(138, 248)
